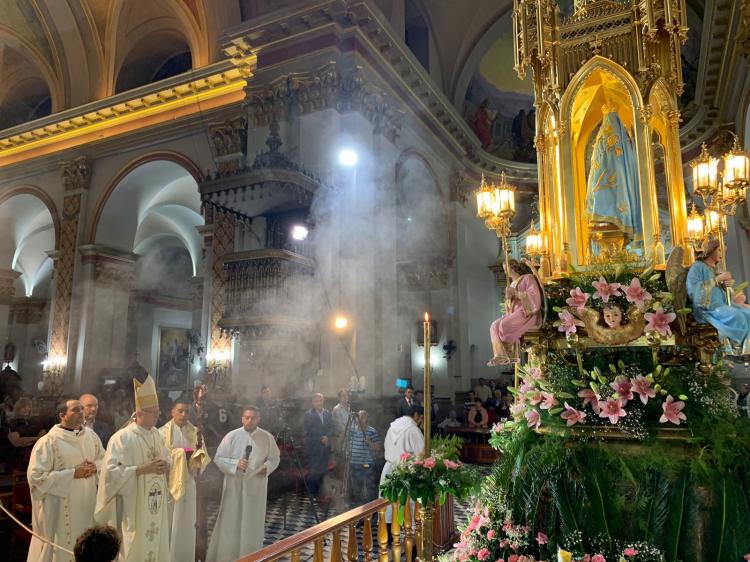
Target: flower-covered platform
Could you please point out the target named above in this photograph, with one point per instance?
(625, 443)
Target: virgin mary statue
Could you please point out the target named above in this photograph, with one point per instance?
(613, 201)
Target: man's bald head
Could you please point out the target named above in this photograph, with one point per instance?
(90, 407)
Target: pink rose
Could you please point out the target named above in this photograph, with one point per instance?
(490, 534)
(598, 558)
(429, 463)
(513, 558)
(483, 554)
(405, 456)
(632, 552)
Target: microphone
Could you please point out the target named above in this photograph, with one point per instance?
(248, 450)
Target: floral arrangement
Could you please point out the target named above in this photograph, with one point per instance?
(492, 536)
(645, 292)
(621, 395)
(429, 479)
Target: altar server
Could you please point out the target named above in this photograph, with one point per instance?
(246, 456)
(182, 439)
(62, 478)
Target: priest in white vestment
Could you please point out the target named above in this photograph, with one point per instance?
(182, 439)
(62, 478)
(132, 495)
(403, 436)
(246, 456)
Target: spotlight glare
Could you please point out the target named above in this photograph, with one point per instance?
(340, 322)
(348, 157)
(299, 232)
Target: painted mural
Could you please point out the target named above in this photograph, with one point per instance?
(499, 107)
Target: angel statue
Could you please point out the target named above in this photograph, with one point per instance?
(606, 326)
(714, 301)
(524, 297)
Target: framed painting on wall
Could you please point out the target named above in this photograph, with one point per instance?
(173, 368)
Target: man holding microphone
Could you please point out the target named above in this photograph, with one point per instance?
(246, 456)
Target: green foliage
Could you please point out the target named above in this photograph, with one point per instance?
(447, 447)
(691, 498)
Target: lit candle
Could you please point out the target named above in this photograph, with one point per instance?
(427, 392)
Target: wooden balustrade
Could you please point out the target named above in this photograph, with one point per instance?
(327, 537)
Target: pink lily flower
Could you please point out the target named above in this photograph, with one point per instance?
(536, 398)
(612, 409)
(659, 321)
(578, 299)
(541, 538)
(532, 419)
(623, 387)
(572, 416)
(568, 323)
(549, 401)
(636, 294)
(590, 397)
(526, 386)
(535, 373)
(605, 290)
(450, 465)
(517, 409)
(672, 411)
(643, 388)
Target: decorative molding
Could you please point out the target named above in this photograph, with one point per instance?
(460, 188)
(228, 141)
(76, 175)
(425, 275)
(27, 311)
(205, 88)
(8, 285)
(110, 267)
(326, 87)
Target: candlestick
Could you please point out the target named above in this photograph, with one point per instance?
(426, 383)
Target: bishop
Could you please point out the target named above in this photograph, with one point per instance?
(132, 495)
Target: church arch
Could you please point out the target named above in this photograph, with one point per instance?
(421, 208)
(31, 223)
(152, 198)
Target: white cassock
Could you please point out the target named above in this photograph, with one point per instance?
(183, 492)
(62, 506)
(403, 436)
(241, 522)
(135, 505)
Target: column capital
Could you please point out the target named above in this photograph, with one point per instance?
(8, 285)
(76, 175)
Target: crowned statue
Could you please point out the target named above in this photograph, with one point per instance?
(613, 202)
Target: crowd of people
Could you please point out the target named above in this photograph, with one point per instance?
(96, 488)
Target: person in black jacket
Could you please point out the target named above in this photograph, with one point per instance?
(318, 439)
(90, 410)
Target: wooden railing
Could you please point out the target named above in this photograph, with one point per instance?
(337, 539)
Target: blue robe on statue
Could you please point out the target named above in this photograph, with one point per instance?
(710, 306)
(612, 193)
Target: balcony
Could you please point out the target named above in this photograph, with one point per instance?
(259, 283)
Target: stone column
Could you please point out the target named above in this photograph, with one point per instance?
(26, 329)
(75, 176)
(7, 292)
(108, 277)
(220, 238)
